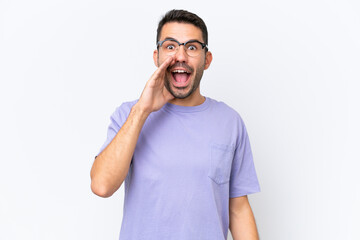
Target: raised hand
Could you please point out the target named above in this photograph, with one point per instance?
(155, 94)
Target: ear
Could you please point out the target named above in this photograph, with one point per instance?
(208, 59)
(156, 57)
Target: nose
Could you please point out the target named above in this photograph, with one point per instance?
(181, 55)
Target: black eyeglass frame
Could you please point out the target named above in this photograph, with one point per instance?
(160, 43)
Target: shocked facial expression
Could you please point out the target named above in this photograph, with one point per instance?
(182, 77)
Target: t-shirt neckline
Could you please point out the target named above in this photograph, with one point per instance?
(178, 108)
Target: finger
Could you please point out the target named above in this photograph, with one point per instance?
(165, 64)
(162, 68)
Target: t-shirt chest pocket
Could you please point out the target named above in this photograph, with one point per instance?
(221, 157)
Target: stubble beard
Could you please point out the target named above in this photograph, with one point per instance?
(194, 85)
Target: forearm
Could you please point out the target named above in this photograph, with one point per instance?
(111, 166)
(242, 224)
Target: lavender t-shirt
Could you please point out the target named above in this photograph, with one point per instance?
(187, 163)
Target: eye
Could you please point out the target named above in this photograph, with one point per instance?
(170, 47)
(192, 48)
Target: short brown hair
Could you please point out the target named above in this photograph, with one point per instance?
(183, 16)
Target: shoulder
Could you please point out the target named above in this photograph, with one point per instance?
(225, 110)
(122, 112)
(229, 121)
(126, 106)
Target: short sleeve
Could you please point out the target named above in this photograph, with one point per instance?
(243, 179)
(117, 119)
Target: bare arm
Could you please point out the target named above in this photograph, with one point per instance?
(242, 221)
(111, 166)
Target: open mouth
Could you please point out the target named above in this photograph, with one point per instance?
(180, 77)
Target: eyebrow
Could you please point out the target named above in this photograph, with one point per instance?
(171, 38)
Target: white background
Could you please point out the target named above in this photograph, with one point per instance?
(290, 68)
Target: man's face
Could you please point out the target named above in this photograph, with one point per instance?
(179, 84)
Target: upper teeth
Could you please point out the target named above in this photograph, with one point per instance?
(179, 71)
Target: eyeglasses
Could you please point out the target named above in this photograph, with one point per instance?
(170, 46)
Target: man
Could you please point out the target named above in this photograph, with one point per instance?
(185, 158)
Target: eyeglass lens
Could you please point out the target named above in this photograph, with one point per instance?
(170, 47)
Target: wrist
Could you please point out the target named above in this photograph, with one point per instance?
(138, 109)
